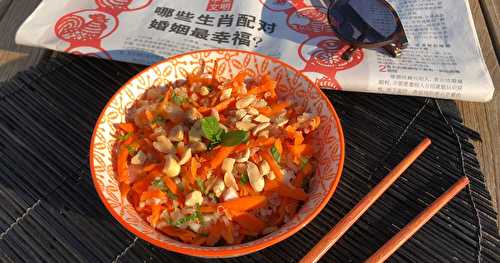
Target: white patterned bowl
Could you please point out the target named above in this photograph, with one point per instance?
(292, 85)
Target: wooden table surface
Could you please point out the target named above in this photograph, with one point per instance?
(482, 117)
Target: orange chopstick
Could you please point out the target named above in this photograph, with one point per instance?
(348, 220)
(404, 234)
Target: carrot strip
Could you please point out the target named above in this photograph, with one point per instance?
(272, 164)
(261, 141)
(155, 214)
(227, 234)
(240, 77)
(214, 81)
(150, 167)
(130, 140)
(286, 190)
(170, 184)
(185, 235)
(214, 233)
(298, 138)
(194, 168)
(299, 179)
(278, 146)
(224, 104)
(222, 153)
(149, 116)
(248, 221)
(143, 184)
(127, 127)
(124, 189)
(153, 194)
(219, 107)
(245, 203)
(122, 166)
(207, 209)
(298, 151)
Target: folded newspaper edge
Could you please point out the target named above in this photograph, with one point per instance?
(444, 59)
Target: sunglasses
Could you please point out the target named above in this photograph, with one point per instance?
(367, 24)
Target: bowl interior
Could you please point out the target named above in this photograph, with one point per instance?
(292, 85)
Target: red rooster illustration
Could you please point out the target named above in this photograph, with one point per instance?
(74, 28)
(118, 4)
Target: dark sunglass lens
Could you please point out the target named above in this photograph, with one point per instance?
(363, 21)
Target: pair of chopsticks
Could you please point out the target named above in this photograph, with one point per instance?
(404, 234)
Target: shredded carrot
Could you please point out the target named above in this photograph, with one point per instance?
(122, 166)
(124, 190)
(219, 107)
(170, 184)
(274, 109)
(261, 142)
(298, 138)
(248, 221)
(155, 214)
(142, 184)
(255, 158)
(207, 209)
(127, 127)
(278, 146)
(245, 203)
(214, 233)
(227, 233)
(149, 116)
(299, 179)
(241, 204)
(273, 165)
(286, 190)
(264, 87)
(298, 151)
(224, 104)
(157, 193)
(185, 235)
(215, 82)
(290, 131)
(220, 155)
(194, 168)
(150, 167)
(166, 98)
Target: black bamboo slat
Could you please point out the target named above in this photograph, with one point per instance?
(50, 211)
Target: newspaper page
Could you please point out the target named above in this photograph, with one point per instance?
(443, 59)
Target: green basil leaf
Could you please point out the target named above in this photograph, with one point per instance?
(233, 138)
(211, 129)
(276, 155)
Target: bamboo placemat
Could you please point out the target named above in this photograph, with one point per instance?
(50, 211)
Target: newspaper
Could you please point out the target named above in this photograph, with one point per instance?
(443, 60)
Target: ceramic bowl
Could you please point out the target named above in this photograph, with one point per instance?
(292, 85)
